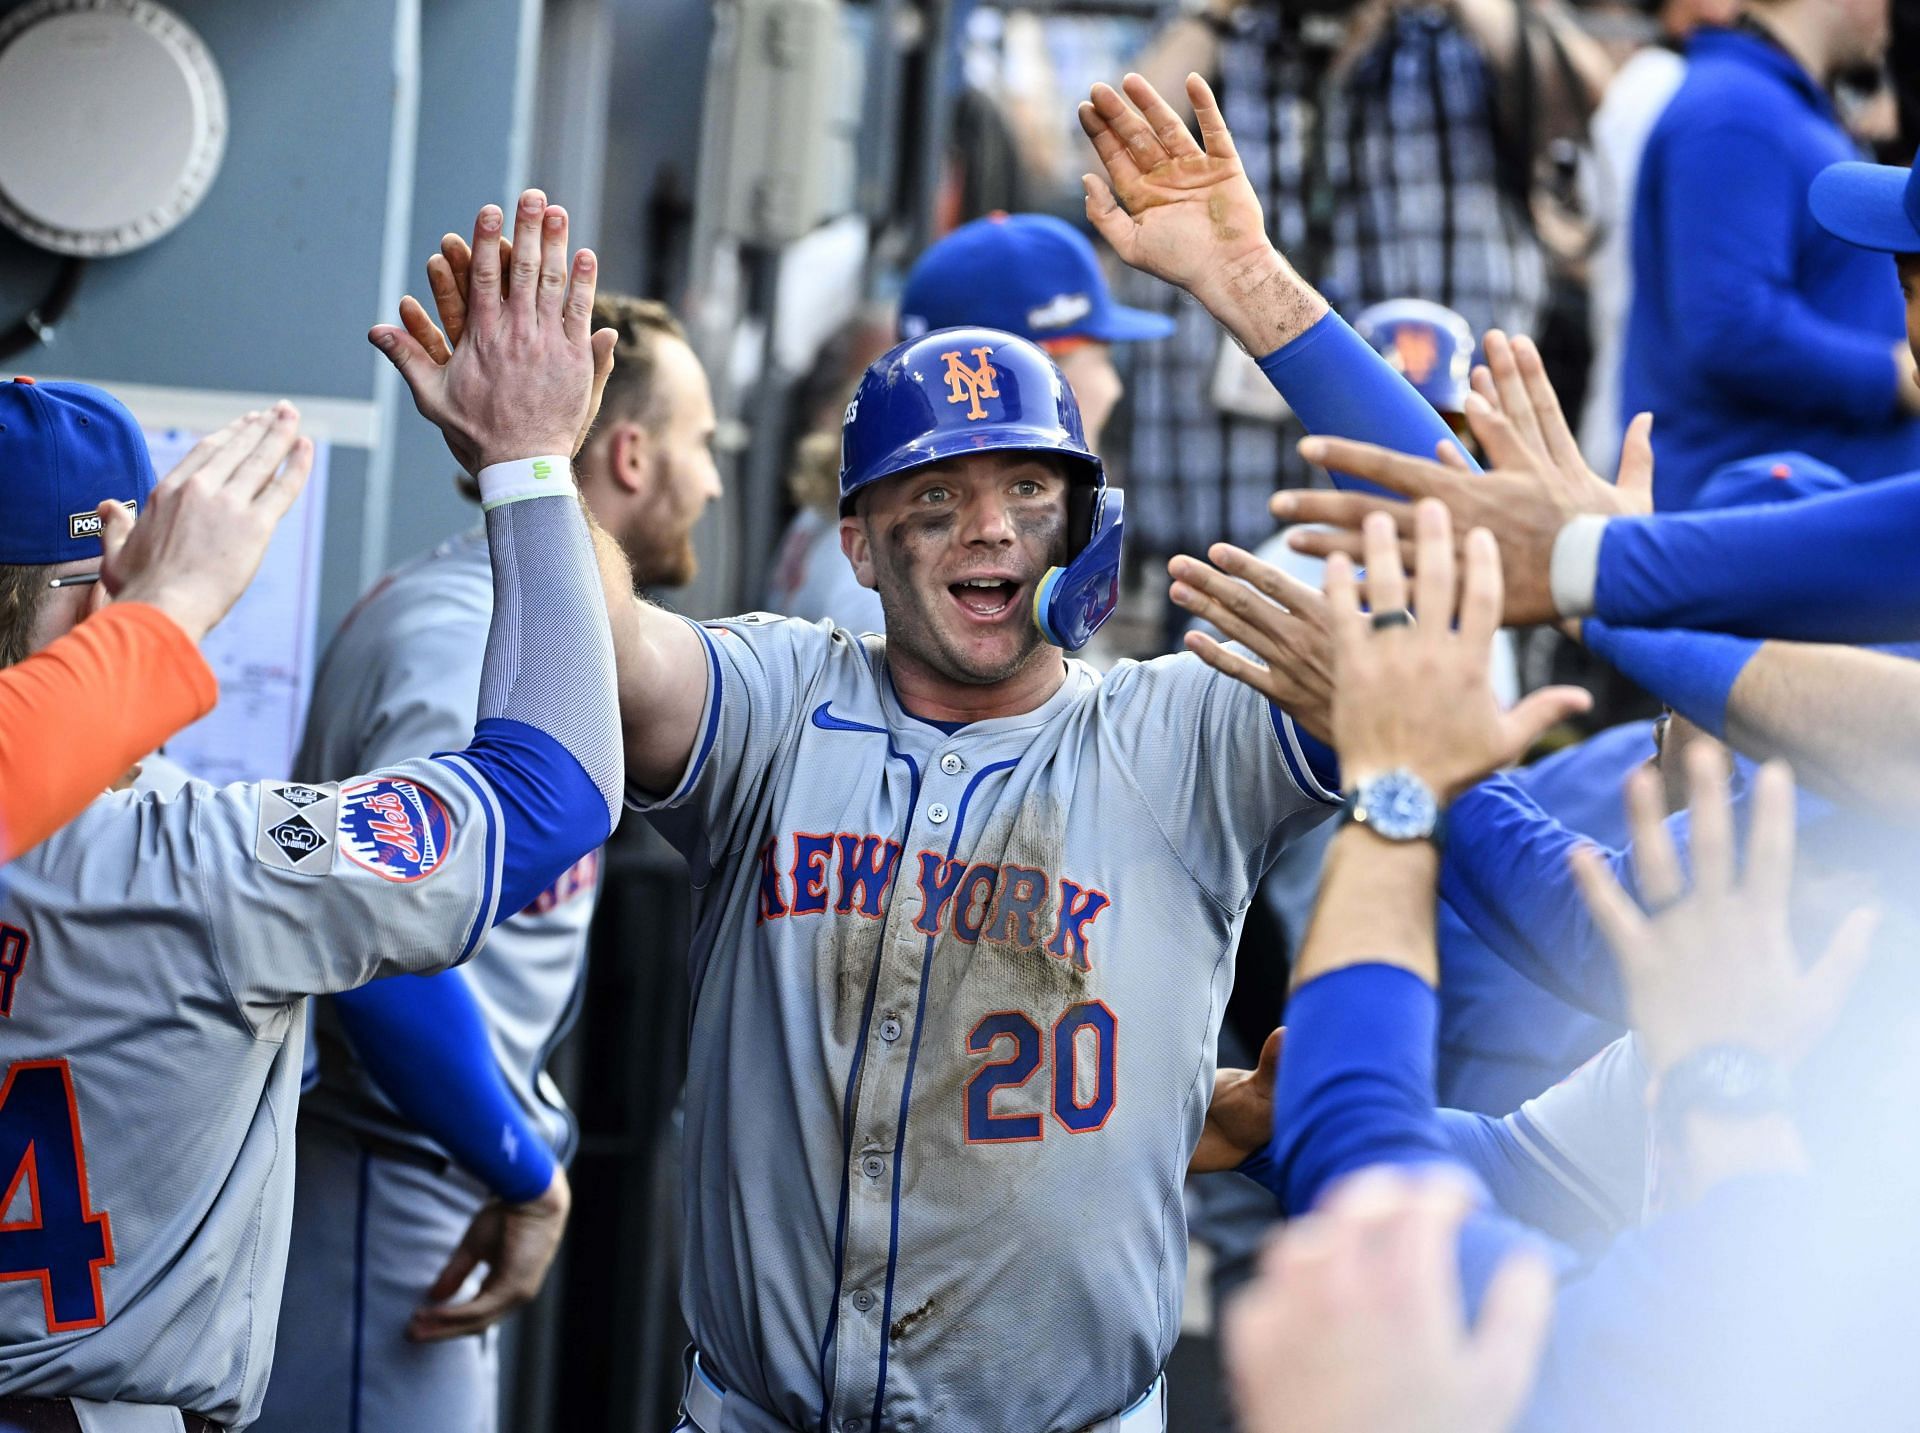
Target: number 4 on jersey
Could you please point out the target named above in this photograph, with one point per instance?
(61, 1242)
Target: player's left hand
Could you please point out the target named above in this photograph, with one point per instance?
(517, 1243)
(519, 384)
(1355, 1324)
(1240, 1116)
(1278, 618)
(1417, 696)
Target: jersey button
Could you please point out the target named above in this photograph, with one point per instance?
(863, 1301)
(890, 1028)
(853, 1425)
(937, 814)
(952, 764)
(873, 1166)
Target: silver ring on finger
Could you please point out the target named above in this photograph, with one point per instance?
(1392, 617)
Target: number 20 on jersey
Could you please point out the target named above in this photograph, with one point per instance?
(1081, 1052)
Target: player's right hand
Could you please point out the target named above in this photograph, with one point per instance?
(519, 384)
(1185, 213)
(517, 1243)
(206, 525)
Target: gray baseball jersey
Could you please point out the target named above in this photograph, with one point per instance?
(955, 1003)
(154, 959)
(402, 678)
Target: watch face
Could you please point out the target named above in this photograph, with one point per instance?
(1399, 806)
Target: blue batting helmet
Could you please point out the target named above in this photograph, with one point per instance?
(979, 390)
(1428, 344)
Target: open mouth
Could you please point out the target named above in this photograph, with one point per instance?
(986, 599)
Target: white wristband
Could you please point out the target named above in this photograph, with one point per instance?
(503, 483)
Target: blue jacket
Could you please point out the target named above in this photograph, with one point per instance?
(1753, 329)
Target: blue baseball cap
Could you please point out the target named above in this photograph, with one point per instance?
(1876, 206)
(1027, 274)
(1769, 478)
(64, 449)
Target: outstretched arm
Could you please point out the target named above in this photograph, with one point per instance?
(1841, 715)
(660, 665)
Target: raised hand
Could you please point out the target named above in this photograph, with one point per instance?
(206, 525)
(1355, 1322)
(1187, 213)
(520, 382)
(448, 275)
(1512, 386)
(1280, 619)
(1715, 964)
(1416, 696)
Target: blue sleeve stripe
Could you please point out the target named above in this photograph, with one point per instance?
(712, 727)
(1298, 767)
(484, 919)
(1549, 1157)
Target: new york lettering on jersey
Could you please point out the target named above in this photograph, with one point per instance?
(956, 998)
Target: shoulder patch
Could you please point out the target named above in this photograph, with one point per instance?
(295, 828)
(398, 829)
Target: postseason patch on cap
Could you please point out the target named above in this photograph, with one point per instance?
(1059, 311)
(398, 829)
(87, 524)
(295, 828)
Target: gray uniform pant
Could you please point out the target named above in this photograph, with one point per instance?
(371, 1232)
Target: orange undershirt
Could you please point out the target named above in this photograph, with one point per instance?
(78, 713)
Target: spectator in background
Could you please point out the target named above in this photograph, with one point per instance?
(1637, 95)
(1393, 148)
(1751, 329)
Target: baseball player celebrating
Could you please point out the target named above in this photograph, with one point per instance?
(156, 953)
(964, 919)
(413, 1071)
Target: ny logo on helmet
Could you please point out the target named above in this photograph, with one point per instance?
(1415, 352)
(970, 385)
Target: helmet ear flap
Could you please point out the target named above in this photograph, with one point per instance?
(1072, 601)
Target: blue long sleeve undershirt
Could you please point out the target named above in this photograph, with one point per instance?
(1834, 568)
(1516, 1182)
(1337, 385)
(424, 1041)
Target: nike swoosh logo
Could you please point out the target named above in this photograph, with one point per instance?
(827, 721)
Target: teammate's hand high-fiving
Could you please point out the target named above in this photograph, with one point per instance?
(206, 526)
(521, 380)
(1187, 213)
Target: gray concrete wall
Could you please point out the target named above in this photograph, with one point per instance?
(271, 284)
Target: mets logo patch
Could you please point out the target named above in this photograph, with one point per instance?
(399, 830)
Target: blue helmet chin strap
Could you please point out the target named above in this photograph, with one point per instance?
(1072, 601)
